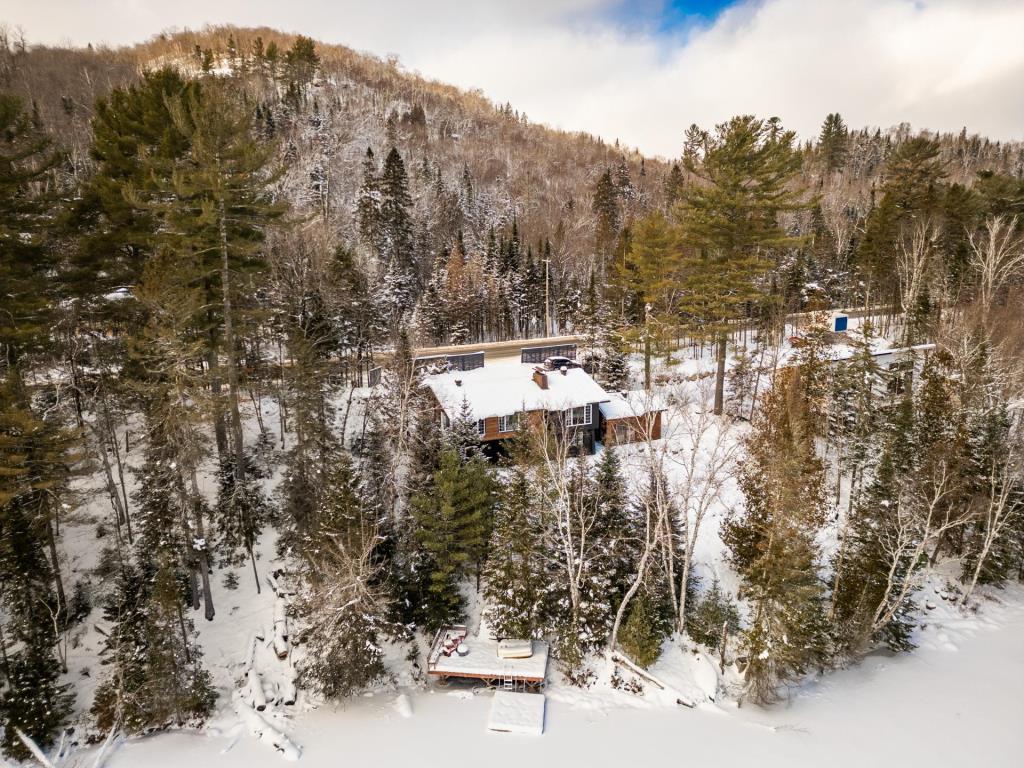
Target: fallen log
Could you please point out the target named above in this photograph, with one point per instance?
(256, 697)
(280, 628)
(628, 665)
(264, 731)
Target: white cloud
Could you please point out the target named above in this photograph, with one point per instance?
(935, 63)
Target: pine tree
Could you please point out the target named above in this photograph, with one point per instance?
(368, 205)
(216, 204)
(730, 221)
(397, 252)
(643, 633)
(453, 525)
(711, 615)
(344, 605)
(832, 142)
(463, 436)
(121, 698)
(772, 542)
(26, 262)
(301, 60)
(911, 193)
(135, 143)
(867, 569)
(515, 586)
(605, 206)
(178, 690)
(649, 276)
(673, 186)
(34, 700)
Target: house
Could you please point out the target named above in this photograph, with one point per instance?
(631, 417)
(501, 397)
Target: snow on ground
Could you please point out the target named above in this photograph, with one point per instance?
(935, 707)
(954, 701)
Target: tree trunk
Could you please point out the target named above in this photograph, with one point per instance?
(58, 580)
(184, 633)
(647, 360)
(202, 553)
(720, 376)
(229, 343)
(115, 497)
(3, 654)
(219, 429)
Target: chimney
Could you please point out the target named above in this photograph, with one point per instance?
(540, 378)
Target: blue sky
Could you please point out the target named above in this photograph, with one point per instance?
(669, 20)
(641, 71)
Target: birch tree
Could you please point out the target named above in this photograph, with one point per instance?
(997, 256)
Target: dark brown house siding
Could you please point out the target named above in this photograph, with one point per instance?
(632, 429)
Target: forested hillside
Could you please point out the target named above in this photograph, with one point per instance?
(207, 242)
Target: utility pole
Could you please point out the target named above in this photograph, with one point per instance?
(647, 347)
(547, 303)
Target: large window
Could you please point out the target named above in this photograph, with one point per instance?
(578, 417)
(508, 423)
(480, 426)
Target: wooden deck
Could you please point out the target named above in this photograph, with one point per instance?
(483, 663)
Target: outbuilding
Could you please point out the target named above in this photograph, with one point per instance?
(631, 417)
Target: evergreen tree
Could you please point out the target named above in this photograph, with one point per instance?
(911, 193)
(368, 205)
(772, 542)
(643, 633)
(605, 206)
(135, 144)
(216, 205)
(121, 698)
(453, 522)
(344, 604)
(867, 569)
(463, 436)
(832, 141)
(650, 276)
(516, 590)
(729, 221)
(673, 186)
(711, 615)
(26, 262)
(178, 689)
(397, 252)
(34, 700)
(301, 60)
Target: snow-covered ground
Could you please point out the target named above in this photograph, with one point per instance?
(957, 700)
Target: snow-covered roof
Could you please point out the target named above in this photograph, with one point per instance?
(501, 390)
(631, 404)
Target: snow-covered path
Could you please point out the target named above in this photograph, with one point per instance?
(956, 701)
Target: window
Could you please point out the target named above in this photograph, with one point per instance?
(508, 423)
(480, 427)
(578, 417)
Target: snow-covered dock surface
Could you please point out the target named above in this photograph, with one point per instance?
(483, 662)
(514, 712)
(956, 701)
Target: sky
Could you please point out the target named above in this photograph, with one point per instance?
(641, 71)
